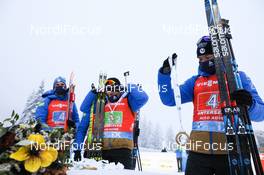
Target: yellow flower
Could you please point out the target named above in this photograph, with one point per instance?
(35, 155)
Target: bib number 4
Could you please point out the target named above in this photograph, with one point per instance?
(213, 101)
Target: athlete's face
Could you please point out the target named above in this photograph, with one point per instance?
(60, 84)
(113, 96)
(112, 93)
(204, 58)
(111, 90)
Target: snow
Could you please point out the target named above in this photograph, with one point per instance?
(153, 163)
(163, 162)
(111, 172)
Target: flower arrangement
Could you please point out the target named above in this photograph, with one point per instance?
(31, 148)
(36, 154)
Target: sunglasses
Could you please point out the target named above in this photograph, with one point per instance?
(59, 84)
(110, 88)
(110, 82)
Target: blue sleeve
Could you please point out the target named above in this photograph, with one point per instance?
(82, 131)
(84, 124)
(75, 115)
(42, 111)
(256, 111)
(87, 102)
(137, 98)
(166, 92)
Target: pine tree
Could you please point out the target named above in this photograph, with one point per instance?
(260, 138)
(145, 131)
(142, 135)
(156, 137)
(170, 138)
(32, 102)
(150, 136)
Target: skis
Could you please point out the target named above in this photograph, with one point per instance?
(71, 99)
(135, 152)
(98, 131)
(238, 126)
(224, 95)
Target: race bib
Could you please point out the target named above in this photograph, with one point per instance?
(113, 119)
(59, 116)
(208, 100)
(208, 107)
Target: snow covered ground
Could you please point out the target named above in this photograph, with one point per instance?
(153, 163)
(158, 162)
(113, 172)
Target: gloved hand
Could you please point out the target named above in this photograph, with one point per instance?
(94, 90)
(137, 132)
(77, 155)
(71, 124)
(242, 97)
(166, 65)
(38, 127)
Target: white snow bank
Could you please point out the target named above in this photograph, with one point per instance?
(153, 163)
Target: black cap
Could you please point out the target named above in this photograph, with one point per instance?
(112, 82)
(204, 46)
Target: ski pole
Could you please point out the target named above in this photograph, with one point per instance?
(139, 158)
(126, 74)
(177, 96)
(136, 155)
(176, 87)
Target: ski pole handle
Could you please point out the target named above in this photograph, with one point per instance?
(174, 57)
(126, 74)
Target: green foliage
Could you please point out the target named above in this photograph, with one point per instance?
(63, 142)
(14, 134)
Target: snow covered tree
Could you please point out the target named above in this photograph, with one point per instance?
(170, 138)
(156, 137)
(142, 135)
(145, 131)
(150, 136)
(259, 138)
(32, 103)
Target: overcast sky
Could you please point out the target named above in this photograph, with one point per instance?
(42, 39)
